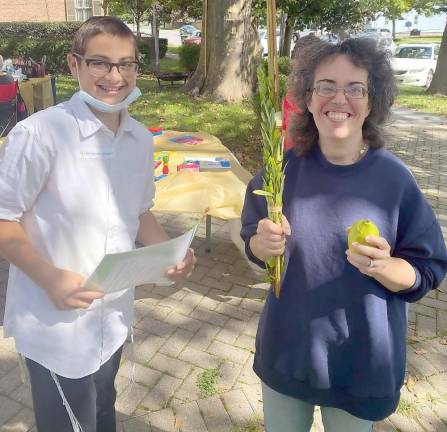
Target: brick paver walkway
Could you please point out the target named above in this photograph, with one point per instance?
(210, 322)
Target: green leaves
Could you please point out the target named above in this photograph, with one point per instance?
(273, 178)
(39, 29)
(262, 192)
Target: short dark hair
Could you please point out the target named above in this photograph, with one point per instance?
(97, 25)
(382, 88)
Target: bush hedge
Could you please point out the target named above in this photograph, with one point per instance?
(147, 50)
(284, 65)
(39, 29)
(55, 49)
(54, 40)
(189, 57)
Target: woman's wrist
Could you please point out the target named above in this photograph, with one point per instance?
(397, 275)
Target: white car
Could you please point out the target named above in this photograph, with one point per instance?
(375, 32)
(415, 64)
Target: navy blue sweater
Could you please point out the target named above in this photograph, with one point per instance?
(337, 337)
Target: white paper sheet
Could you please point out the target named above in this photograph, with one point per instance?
(148, 264)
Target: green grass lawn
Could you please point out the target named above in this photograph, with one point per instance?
(419, 99)
(174, 49)
(418, 39)
(169, 64)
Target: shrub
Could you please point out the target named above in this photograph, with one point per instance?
(54, 40)
(189, 57)
(38, 29)
(147, 50)
(284, 65)
(55, 49)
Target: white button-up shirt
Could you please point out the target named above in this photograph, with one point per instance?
(78, 191)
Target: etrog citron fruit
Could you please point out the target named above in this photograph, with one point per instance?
(360, 230)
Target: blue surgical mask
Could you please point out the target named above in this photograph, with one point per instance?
(103, 106)
(109, 108)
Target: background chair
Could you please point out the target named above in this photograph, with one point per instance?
(8, 107)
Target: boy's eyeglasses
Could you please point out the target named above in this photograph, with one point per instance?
(327, 90)
(100, 68)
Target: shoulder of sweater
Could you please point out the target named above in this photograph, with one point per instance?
(390, 162)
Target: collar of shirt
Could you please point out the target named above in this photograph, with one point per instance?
(89, 124)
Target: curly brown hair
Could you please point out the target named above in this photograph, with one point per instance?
(381, 88)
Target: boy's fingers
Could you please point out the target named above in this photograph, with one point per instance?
(88, 296)
(78, 304)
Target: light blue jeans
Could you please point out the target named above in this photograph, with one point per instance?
(283, 413)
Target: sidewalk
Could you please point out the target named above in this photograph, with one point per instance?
(209, 323)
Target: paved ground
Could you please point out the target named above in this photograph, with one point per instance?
(209, 323)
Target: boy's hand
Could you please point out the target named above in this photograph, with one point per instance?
(66, 291)
(182, 269)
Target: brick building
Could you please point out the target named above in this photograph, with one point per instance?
(49, 10)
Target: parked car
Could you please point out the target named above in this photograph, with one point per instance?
(375, 33)
(187, 30)
(415, 64)
(193, 40)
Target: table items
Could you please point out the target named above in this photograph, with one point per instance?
(37, 93)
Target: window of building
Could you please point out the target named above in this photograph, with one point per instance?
(84, 9)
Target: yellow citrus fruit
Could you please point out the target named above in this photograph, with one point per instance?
(360, 230)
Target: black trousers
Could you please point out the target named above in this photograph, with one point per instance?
(91, 398)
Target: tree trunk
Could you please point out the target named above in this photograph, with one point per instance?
(394, 29)
(154, 60)
(439, 83)
(288, 34)
(229, 54)
(137, 22)
(105, 7)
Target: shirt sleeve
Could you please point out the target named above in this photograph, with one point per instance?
(25, 165)
(255, 209)
(147, 201)
(420, 242)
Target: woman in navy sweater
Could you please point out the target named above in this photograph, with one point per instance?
(336, 337)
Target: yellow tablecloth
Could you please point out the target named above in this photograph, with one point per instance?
(217, 193)
(37, 93)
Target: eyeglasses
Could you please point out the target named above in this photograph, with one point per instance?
(100, 68)
(328, 90)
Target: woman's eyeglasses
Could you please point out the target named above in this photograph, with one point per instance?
(100, 68)
(327, 90)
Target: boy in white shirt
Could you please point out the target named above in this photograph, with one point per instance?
(76, 182)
